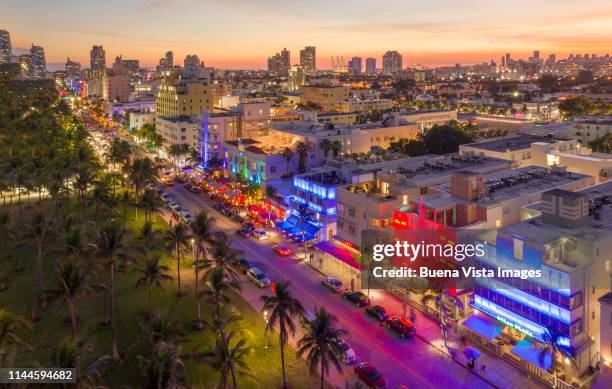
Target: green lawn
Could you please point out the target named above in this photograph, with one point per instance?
(131, 303)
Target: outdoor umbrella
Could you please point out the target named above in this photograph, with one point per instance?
(471, 353)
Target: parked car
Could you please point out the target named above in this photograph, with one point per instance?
(370, 375)
(257, 277)
(165, 197)
(218, 206)
(260, 234)
(377, 312)
(244, 265)
(187, 186)
(237, 218)
(281, 250)
(332, 284)
(401, 326)
(349, 353)
(186, 216)
(357, 298)
(244, 232)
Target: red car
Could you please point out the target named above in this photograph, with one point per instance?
(283, 251)
(401, 326)
(370, 375)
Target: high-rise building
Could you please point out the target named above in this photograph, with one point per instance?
(97, 58)
(308, 59)
(25, 66)
(39, 63)
(169, 59)
(280, 63)
(536, 55)
(297, 77)
(355, 66)
(73, 68)
(191, 60)
(392, 62)
(370, 66)
(503, 61)
(184, 94)
(285, 61)
(6, 50)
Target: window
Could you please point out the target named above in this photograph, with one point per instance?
(424, 190)
(576, 328)
(273, 169)
(352, 230)
(351, 212)
(498, 223)
(576, 301)
(518, 248)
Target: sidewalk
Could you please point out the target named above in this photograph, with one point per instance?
(498, 372)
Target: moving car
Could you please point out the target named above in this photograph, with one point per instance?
(165, 197)
(357, 298)
(377, 312)
(332, 284)
(281, 250)
(257, 277)
(244, 265)
(260, 234)
(349, 353)
(401, 326)
(369, 375)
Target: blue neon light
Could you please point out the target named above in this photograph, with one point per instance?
(515, 321)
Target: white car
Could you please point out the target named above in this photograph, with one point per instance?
(257, 277)
(186, 216)
(260, 234)
(349, 353)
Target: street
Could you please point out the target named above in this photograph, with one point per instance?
(411, 362)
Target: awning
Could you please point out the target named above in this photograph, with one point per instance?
(283, 225)
(483, 327)
(527, 350)
(339, 253)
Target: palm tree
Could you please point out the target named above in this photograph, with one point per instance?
(224, 256)
(303, 217)
(226, 359)
(177, 238)
(10, 324)
(288, 155)
(39, 227)
(336, 147)
(161, 328)
(141, 171)
(218, 288)
(152, 273)
(282, 308)
(326, 145)
(149, 201)
(271, 192)
(302, 151)
(125, 199)
(201, 230)
(163, 368)
(149, 237)
(82, 181)
(70, 355)
(552, 348)
(111, 247)
(219, 325)
(72, 285)
(193, 156)
(101, 194)
(322, 344)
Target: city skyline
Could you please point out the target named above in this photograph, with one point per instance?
(435, 34)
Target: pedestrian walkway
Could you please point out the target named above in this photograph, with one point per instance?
(497, 372)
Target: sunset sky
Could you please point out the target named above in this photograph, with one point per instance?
(243, 33)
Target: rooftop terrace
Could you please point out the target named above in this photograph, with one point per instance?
(514, 142)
